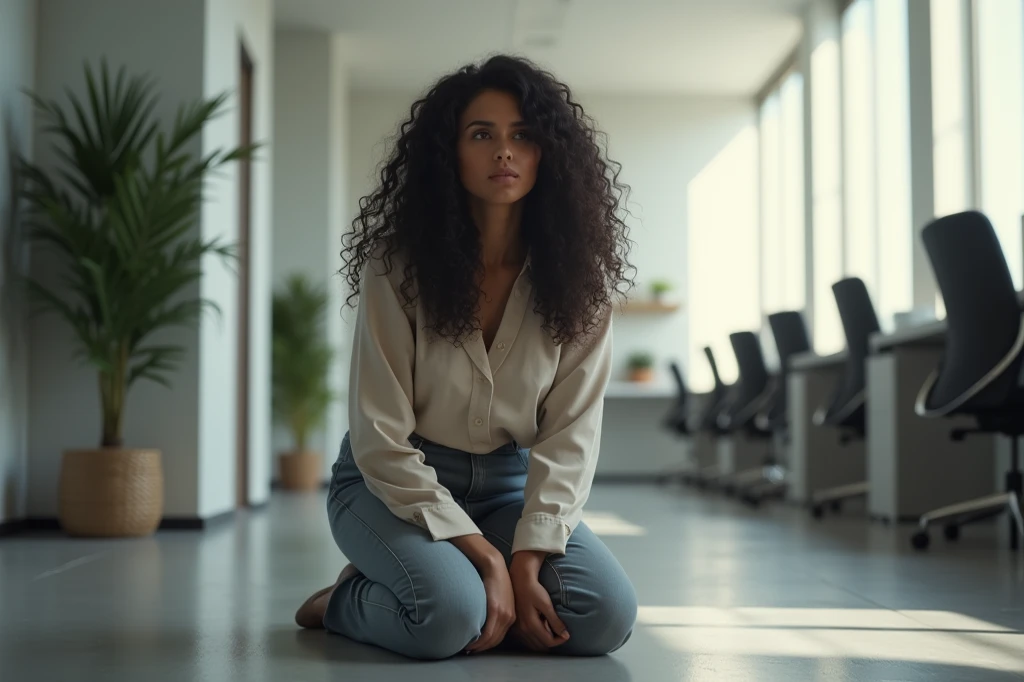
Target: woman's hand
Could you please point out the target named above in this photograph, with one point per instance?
(537, 625)
(501, 608)
(501, 605)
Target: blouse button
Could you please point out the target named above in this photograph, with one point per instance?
(501, 346)
(478, 421)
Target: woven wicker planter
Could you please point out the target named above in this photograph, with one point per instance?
(111, 492)
(302, 471)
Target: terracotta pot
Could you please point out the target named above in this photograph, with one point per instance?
(301, 471)
(111, 492)
(641, 375)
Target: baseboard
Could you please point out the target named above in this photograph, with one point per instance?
(11, 527)
(46, 524)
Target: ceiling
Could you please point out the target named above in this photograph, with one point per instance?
(696, 46)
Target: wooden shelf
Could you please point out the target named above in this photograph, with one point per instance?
(630, 389)
(639, 307)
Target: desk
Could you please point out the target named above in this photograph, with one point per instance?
(634, 443)
(913, 466)
(816, 458)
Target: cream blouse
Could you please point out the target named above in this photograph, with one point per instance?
(547, 397)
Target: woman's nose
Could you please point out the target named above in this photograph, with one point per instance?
(503, 153)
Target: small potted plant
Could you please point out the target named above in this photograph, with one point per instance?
(659, 288)
(116, 215)
(641, 367)
(301, 358)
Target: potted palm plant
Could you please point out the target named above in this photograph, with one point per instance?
(301, 358)
(116, 214)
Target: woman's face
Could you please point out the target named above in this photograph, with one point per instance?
(497, 158)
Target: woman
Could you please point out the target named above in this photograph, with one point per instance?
(486, 260)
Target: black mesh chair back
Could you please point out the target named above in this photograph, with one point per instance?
(676, 419)
(791, 338)
(752, 388)
(790, 333)
(718, 399)
(859, 322)
(981, 363)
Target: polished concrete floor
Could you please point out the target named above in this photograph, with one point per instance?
(727, 594)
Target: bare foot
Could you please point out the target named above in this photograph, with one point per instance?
(311, 614)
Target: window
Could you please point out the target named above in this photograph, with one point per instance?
(783, 242)
(794, 239)
(950, 139)
(772, 247)
(892, 159)
(827, 194)
(949, 106)
(861, 224)
(1000, 72)
(723, 223)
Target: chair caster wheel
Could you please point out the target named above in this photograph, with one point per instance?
(751, 501)
(952, 532)
(817, 511)
(836, 506)
(920, 540)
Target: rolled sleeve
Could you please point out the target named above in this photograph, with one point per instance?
(381, 415)
(563, 460)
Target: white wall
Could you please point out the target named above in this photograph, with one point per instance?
(226, 23)
(662, 143)
(168, 42)
(17, 67)
(191, 48)
(310, 202)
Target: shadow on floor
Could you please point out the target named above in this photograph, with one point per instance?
(494, 666)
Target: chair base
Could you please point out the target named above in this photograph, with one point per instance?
(969, 512)
(772, 485)
(707, 476)
(834, 497)
(734, 483)
(991, 505)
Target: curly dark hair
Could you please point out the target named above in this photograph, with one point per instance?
(571, 218)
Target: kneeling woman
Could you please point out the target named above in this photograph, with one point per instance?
(486, 261)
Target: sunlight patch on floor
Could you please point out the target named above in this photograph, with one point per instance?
(608, 523)
(931, 637)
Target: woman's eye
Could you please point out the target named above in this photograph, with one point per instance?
(477, 135)
(522, 135)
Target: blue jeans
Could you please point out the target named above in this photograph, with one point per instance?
(424, 599)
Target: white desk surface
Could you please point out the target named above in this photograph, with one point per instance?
(631, 389)
(810, 361)
(928, 334)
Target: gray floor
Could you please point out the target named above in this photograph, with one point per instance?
(726, 594)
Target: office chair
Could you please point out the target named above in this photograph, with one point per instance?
(846, 409)
(751, 395)
(717, 401)
(677, 418)
(979, 374)
(790, 333)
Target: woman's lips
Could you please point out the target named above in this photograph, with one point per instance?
(505, 177)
